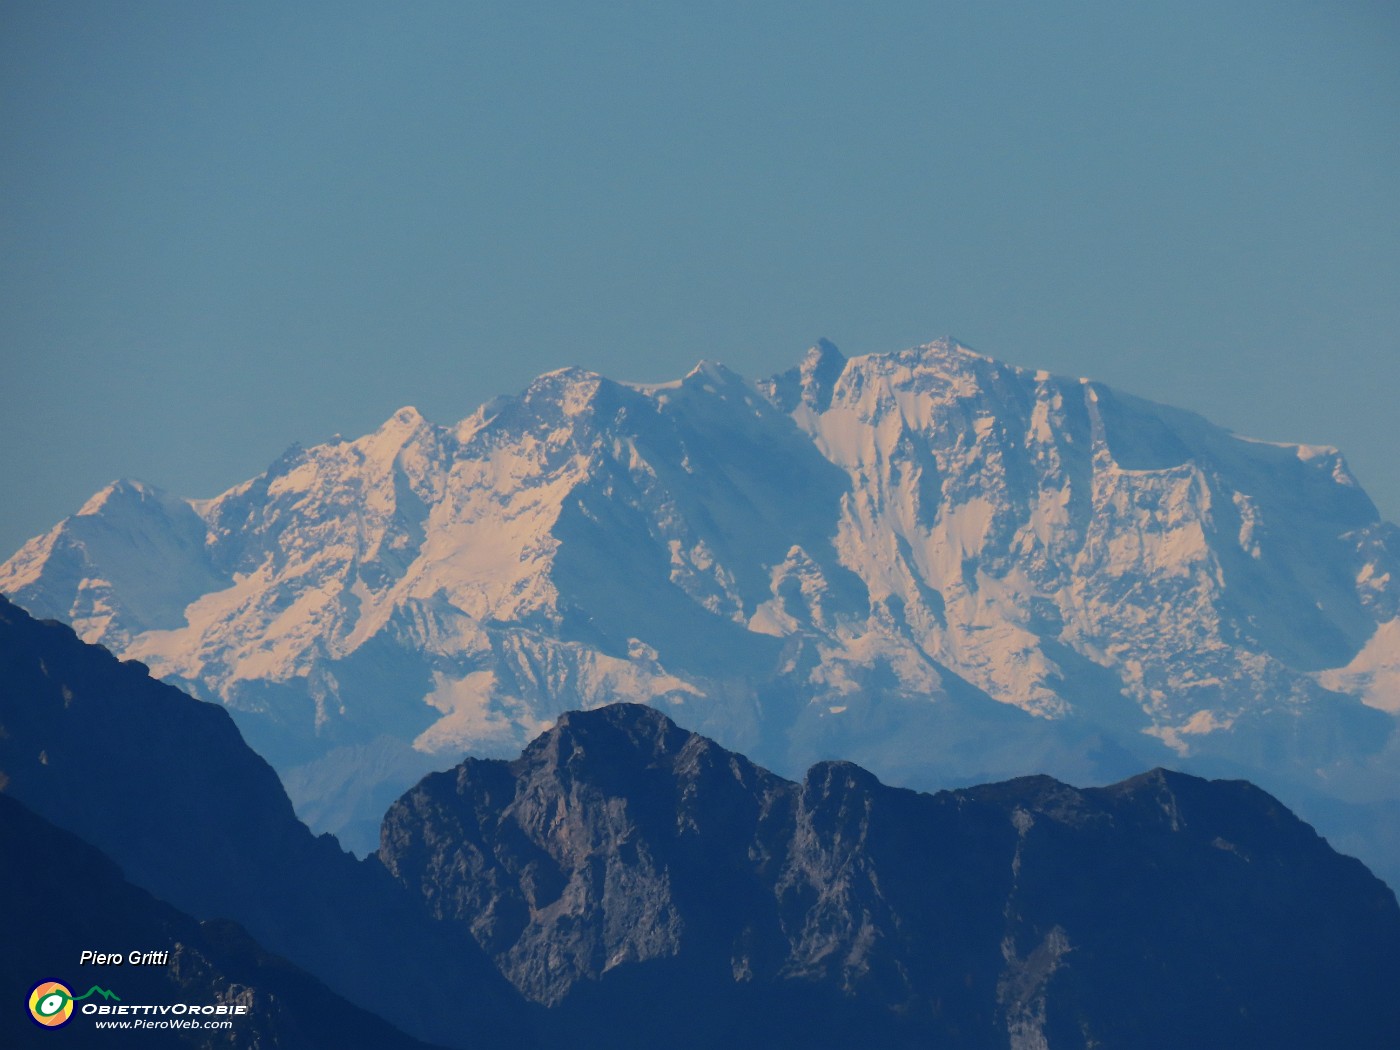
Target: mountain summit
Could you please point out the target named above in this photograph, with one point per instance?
(939, 565)
(623, 867)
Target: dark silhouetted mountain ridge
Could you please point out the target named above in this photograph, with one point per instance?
(166, 787)
(625, 867)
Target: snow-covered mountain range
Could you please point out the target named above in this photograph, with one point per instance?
(938, 565)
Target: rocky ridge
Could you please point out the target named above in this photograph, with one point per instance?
(623, 860)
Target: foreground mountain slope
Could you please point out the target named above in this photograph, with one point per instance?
(622, 867)
(164, 785)
(944, 567)
(625, 882)
(63, 898)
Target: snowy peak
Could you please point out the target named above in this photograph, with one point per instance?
(130, 560)
(996, 503)
(571, 390)
(374, 489)
(898, 557)
(712, 371)
(122, 491)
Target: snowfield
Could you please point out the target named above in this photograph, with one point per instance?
(935, 564)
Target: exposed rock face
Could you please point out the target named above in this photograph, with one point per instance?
(621, 864)
(613, 840)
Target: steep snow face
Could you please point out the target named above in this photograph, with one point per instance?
(1031, 528)
(130, 561)
(309, 549)
(930, 561)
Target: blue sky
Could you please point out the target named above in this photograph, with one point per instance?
(229, 227)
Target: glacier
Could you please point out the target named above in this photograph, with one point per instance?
(938, 565)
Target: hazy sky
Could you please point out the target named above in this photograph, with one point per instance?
(231, 226)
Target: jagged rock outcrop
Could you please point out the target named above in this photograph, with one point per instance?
(623, 867)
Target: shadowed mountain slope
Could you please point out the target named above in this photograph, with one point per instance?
(623, 866)
(625, 882)
(164, 785)
(63, 897)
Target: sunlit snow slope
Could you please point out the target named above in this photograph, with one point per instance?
(933, 563)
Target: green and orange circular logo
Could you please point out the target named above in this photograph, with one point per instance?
(51, 1003)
